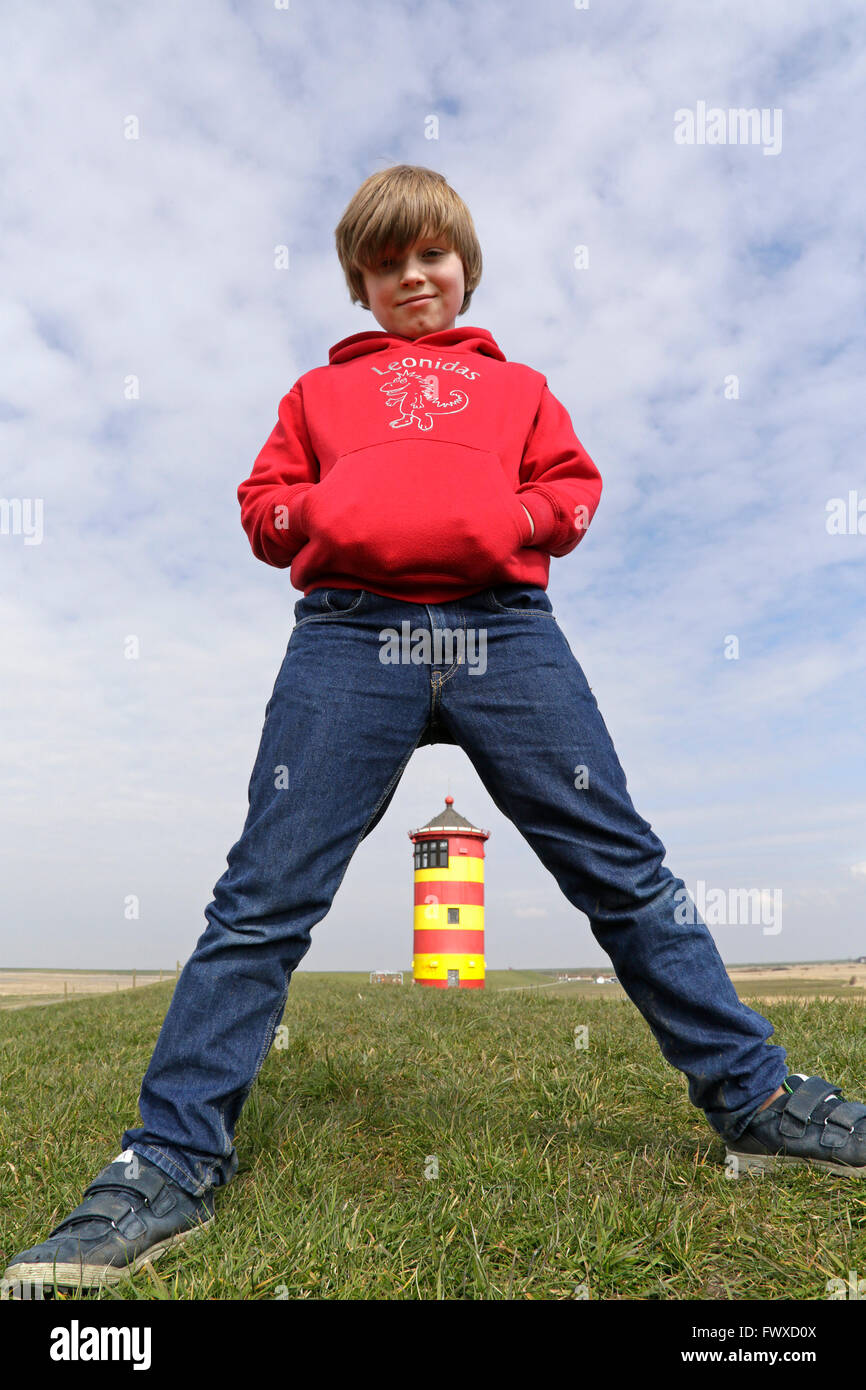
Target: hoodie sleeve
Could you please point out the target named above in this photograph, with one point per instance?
(560, 484)
(271, 497)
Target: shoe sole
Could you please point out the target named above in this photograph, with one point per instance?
(769, 1163)
(77, 1276)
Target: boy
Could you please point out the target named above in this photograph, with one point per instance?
(422, 477)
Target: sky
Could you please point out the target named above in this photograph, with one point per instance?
(708, 346)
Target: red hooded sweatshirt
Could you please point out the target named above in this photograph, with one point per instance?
(404, 466)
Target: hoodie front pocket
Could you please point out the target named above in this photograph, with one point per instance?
(422, 506)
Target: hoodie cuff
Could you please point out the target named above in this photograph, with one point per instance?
(296, 519)
(544, 514)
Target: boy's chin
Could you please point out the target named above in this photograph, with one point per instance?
(417, 330)
(414, 325)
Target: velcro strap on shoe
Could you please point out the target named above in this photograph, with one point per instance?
(77, 1218)
(131, 1226)
(148, 1183)
(102, 1204)
(840, 1123)
(801, 1105)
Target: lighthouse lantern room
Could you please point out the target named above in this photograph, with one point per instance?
(449, 901)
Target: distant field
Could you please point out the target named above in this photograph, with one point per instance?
(831, 980)
(21, 988)
(419, 1144)
(815, 980)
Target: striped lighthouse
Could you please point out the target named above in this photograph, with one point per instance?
(449, 901)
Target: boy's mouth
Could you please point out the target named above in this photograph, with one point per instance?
(416, 299)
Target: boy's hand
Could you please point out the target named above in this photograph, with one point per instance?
(531, 522)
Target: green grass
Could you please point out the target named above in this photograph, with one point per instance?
(557, 1167)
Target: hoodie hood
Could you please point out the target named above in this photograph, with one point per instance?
(465, 339)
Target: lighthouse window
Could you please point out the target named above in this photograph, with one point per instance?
(431, 854)
(453, 914)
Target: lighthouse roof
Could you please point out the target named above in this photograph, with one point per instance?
(449, 819)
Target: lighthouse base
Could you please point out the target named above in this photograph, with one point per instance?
(450, 984)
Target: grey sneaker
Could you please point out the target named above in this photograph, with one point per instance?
(130, 1214)
(812, 1123)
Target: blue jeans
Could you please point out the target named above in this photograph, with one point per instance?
(339, 730)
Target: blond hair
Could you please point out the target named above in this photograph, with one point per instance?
(394, 208)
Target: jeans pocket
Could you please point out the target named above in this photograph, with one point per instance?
(321, 604)
(344, 600)
(520, 598)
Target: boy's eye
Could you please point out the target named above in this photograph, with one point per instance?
(431, 251)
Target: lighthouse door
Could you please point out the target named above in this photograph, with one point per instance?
(453, 979)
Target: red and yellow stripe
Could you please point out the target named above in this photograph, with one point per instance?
(441, 945)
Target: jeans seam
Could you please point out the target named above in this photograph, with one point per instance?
(453, 668)
(382, 799)
(263, 1052)
(393, 782)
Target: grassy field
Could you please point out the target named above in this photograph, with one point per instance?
(562, 1173)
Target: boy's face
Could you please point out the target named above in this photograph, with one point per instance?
(428, 268)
